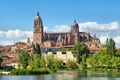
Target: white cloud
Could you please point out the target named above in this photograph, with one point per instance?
(104, 37)
(6, 42)
(16, 34)
(117, 40)
(45, 29)
(92, 27)
(105, 30)
(11, 36)
(98, 28)
(2, 34)
(61, 28)
(58, 28)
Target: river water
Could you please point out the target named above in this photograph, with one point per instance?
(66, 75)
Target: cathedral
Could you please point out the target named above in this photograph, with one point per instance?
(62, 39)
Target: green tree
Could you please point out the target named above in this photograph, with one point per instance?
(33, 48)
(103, 60)
(53, 63)
(117, 53)
(110, 47)
(79, 49)
(36, 61)
(0, 61)
(93, 61)
(42, 62)
(50, 61)
(36, 48)
(58, 64)
(103, 45)
(116, 62)
(23, 58)
(71, 65)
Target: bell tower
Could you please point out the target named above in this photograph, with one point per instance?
(38, 30)
(74, 32)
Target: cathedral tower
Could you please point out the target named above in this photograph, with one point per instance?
(38, 30)
(74, 32)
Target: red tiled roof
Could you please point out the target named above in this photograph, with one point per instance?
(97, 49)
(92, 49)
(21, 43)
(14, 60)
(102, 49)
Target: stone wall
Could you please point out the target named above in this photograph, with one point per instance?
(63, 56)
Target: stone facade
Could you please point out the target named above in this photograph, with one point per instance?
(65, 56)
(62, 38)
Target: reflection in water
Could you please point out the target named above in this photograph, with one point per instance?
(8, 77)
(58, 76)
(67, 75)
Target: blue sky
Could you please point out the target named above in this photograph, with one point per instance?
(101, 17)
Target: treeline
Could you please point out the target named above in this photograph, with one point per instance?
(107, 60)
(0, 61)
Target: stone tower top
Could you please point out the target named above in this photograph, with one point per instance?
(74, 27)
(38, 20)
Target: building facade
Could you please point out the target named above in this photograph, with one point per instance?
(60, 39)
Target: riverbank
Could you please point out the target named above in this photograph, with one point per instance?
(48, 71)
(30, 71)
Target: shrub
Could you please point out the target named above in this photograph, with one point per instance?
(71, 65)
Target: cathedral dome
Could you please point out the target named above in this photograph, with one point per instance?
(74, 27)
(38, 20)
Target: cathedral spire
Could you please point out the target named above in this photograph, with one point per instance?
(74, 20)
(37, 13)
(94, 36)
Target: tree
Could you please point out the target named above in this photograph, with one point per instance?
(103, 45)
(50, 61)
(93, 61)
(23, 58)
(53, 63)
(36, 48)
(79, 49)
(117, 53)
(110, 47)
(58, 64)
(0, 61)
(37, 61)
(33, 48)
(71, 65)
